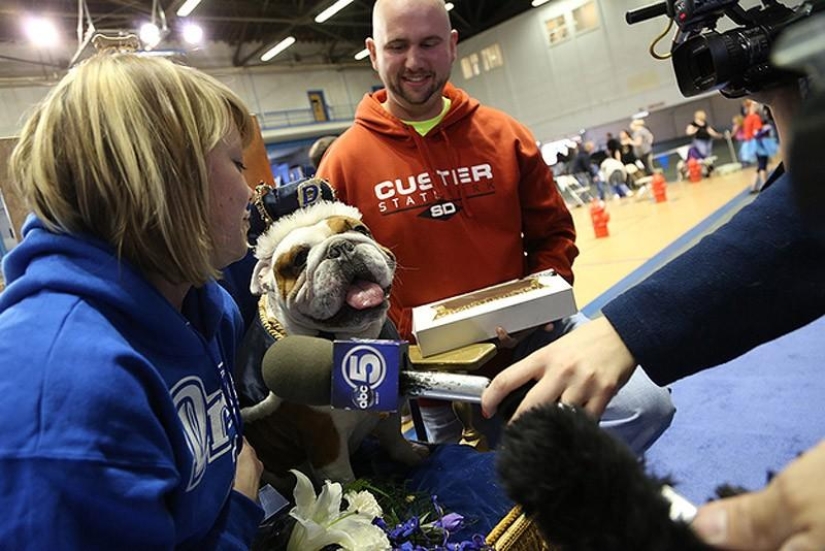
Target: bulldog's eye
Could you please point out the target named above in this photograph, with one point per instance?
(362, 229)
(300, 259)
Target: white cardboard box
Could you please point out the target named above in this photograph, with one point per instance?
(473, 317)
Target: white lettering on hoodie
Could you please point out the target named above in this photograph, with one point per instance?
(417, 190)
(204, 420)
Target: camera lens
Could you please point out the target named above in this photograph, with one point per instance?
(711, 61)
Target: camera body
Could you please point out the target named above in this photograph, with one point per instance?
(735, 62)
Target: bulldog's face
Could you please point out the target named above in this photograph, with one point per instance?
(322, 271)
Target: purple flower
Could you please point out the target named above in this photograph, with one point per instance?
(450, 522)
(403, 531)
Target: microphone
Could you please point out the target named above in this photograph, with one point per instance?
(301, 369)
(647, 12)
(585, 489)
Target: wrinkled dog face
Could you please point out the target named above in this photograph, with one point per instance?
(324, 272)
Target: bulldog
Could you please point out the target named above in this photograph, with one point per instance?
(319, 272)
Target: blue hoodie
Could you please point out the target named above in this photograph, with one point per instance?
(119, 421)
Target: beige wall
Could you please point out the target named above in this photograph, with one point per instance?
(14, 204)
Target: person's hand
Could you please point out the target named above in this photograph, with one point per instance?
(506, 340)
(584, 368)
(788, 515)
(248, 472)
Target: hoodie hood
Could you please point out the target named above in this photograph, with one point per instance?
(46, 262)
(372, 115)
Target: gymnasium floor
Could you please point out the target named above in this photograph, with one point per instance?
(645, 234)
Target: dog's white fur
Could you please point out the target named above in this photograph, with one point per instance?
(301, 218)
(312, 302)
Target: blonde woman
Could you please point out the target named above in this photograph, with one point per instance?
(120, 425)
(703, 134)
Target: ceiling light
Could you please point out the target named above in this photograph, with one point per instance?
(278, 48)
(537, 3)
(332, 10)
(642, 113)
(41, 32)
(192, 34)
(187, 7)
(449, 6)
(149, 35)
(362, 54)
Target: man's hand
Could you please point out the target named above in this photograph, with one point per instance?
(586, 368)
(788, 515)
(506, 340)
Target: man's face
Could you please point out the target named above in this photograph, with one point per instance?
(413, 50)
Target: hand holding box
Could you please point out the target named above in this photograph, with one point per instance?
(473, 317)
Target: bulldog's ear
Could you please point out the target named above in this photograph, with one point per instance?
(260, 283)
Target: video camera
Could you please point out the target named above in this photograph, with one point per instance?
(735, 62)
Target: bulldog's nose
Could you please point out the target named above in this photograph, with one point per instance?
(341, 248)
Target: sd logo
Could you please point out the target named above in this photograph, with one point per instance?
(443, 210)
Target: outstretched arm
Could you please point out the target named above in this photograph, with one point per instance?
(585, 367)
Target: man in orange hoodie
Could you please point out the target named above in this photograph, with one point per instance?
(460, 193)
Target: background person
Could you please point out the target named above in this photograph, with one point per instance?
(318, 148)
(757, 145)
(119, 418)
(642, 144)
(460, 193)
(585, 169)
(703, 134)
(615, 174)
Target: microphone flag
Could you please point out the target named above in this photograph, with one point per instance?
(365, 373)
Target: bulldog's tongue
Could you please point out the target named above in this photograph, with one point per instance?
(364, 294)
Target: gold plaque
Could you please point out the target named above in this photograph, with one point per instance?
(484, 296)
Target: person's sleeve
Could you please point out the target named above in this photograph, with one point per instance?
(549, 234)
(237, 525)
(754, 279)
(75, 505)
(83, 504)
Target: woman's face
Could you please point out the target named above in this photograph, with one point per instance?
(229, 197)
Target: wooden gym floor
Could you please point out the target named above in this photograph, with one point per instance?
(641, 229)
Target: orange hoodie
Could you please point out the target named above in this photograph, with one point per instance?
(469, 205)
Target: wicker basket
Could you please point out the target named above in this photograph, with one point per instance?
(516, 532)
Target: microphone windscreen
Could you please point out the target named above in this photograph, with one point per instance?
(298, 369)
(583, 487)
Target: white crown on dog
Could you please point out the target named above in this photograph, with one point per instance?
(301, 218)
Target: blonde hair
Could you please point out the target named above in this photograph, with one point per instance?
(117, 151)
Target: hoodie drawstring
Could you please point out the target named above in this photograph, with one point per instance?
(424, 150)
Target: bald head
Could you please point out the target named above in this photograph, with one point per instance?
(413, 48)
(388, 10)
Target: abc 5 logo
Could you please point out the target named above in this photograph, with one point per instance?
(364, 369)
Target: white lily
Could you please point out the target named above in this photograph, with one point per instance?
(321, 521)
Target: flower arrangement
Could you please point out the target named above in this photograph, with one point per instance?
(355, 521)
